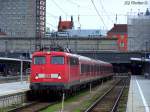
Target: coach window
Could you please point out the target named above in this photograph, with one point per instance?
(57, 60)
(88, 68)
(39, 60)
(93, 68)
(82, 68)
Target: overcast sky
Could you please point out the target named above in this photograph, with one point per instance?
(93, 14)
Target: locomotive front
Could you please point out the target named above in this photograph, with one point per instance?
(49, 70)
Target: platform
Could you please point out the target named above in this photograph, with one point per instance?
(15, 87)
(139, 95)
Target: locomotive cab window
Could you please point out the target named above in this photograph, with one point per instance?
(39, 60)
(74, 61)
(57, 60)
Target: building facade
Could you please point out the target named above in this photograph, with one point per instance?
(119, 31)
(64, 25)
(22, 18)
(138, 32)
(26, 45)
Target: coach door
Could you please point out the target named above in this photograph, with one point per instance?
(74, 68)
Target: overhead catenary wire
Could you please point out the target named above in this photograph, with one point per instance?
(52, 15)
(78, 6)
(78, 3)
(99, 14)
(102, 6)
(55, 27)
(61, 9)
(70, 1)
(92, 15)
(55, 17)
(83, 14)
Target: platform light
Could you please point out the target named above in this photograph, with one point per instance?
(48, 52)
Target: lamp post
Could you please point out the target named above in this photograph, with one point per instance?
(21, 69)
(6, 48)
(146, 48)
(62, 105)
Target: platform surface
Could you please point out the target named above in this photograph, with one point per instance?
(15, 87)
(139, 95)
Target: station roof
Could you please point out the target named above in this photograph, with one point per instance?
(13, 59)
(2, 33)
(140, 59)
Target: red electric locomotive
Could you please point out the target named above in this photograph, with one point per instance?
(63, 71)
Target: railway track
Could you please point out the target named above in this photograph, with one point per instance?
(33, 107)
(109, 101)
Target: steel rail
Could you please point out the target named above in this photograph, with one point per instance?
(118, 99)
(121, 92)
(101, 98)
(29, 107)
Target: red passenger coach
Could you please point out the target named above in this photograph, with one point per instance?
(63, 71)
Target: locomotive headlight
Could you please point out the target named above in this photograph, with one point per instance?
(59, 77)
(36, 77)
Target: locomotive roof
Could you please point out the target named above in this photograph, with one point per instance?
(88, 59)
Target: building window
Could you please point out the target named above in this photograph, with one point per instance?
(114, 36)
(122, 36)
(122, 44)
